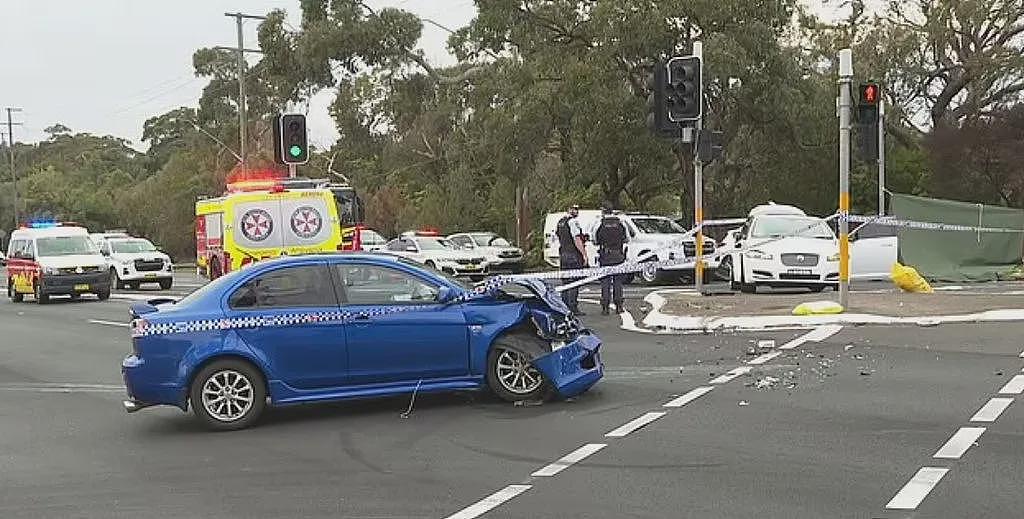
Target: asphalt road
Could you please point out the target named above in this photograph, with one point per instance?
(844, 428)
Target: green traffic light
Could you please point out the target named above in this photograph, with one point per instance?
(295, 151)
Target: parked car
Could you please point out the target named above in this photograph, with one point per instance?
(319, 328)
(371, 240)
(433, 251)
(873, 251)
(647, 233)
(501, 256)
(133, 261)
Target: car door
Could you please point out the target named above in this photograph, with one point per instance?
(300, 335)
(873, 252)
(398, 332)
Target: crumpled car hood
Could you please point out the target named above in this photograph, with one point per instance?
(545, 292)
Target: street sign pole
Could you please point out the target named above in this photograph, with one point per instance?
(881, 156)
(698, 186)
(845, 80)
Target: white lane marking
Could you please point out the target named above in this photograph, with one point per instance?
(816, 335)
(918, 488)
(634, 424)
(689, 397)
(764, 358)
(44, 387)
(959, 443)
(629, 323)
(591, 301)
(490, 502)
(991, 410)
(565, 461)
(1014, 387)
(722, 379)
(135, 297)
(109, 323)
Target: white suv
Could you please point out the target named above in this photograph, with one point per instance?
(647, 233)
(501, 255)
(133, 261)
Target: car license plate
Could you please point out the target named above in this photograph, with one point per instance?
(82, 288)
(799, 271)
(151, 275)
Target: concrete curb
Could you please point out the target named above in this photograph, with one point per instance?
(692, 324)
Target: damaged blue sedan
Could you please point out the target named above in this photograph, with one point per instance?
(330, 327)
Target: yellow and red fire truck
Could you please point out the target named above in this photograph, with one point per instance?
(262, 217)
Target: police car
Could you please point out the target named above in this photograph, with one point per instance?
(133, 261)
(430, 249)
(49, 258)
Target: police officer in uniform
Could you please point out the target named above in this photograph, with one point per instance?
(571, 253)
(610, 236)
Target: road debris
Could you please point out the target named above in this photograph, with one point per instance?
(743, 403)
(766, 383)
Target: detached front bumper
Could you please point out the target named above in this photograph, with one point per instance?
(574, 368)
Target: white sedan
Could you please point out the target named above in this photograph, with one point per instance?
(439, 254)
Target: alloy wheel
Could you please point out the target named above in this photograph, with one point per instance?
(227, 395)
(516, 374)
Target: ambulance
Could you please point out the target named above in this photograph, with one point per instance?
(49, 258)
(265, 218)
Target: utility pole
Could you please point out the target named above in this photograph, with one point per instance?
(241, 50)
(881, 156)
(14, 174)
(845, 80)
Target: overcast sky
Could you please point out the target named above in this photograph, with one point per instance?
(105, 66)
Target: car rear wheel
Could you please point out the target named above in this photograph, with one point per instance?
(431, 265)
(817, 288)
(228, 394)
(103, 295)
(13, 294)
(165, 284)
(649, 274)
(509, 373)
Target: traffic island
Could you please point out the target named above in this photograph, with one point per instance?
(684, 311)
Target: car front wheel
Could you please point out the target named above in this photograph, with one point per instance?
(15, 296)
(115, 281)
(228, 395)
(510, 375)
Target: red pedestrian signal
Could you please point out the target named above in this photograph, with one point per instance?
(869, 94)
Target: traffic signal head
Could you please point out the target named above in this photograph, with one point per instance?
(684, 96)
(291, 144)
(657, 104)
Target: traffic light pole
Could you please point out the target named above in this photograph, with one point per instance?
(881, 156)
(845, 81)
(698, 187)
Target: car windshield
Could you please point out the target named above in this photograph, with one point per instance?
(371, 237)
(434, 244)
(490, 240)
(132, 246)
(653, 225)
(778, 226)
(65, 246)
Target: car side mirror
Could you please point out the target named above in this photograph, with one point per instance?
(738, 244)
(446, 294)
(105, 252)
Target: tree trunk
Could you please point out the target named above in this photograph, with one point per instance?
(520, 213)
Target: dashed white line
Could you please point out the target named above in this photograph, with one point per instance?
(991, 410)
(688, 397)
(1014, 387)
(573, 457)
(490, 502)
(959, 443)
(633, 425)
(764, 358)
(919, 486)
(722, 379)
(816, 335)
(109, 323)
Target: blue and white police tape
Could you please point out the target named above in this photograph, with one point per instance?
(929, 226)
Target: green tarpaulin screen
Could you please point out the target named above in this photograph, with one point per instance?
(958, 255)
